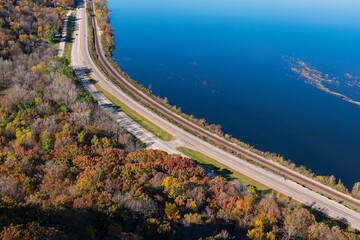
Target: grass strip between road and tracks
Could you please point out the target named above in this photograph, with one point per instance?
(212, 164)
(93, 55)
(222, 170)
(151, 127)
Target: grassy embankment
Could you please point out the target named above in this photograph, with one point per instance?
(222, 170)
(69, 36)
(151, 127)
(272, 156)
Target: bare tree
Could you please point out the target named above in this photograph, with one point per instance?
(297, 222)
(8, 187)
(61, 89)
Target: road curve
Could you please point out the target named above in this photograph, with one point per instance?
(216, 139)
(81, 59)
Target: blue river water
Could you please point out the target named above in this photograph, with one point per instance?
(224, 61)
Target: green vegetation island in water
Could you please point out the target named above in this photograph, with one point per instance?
(347, 87)
(69, 171)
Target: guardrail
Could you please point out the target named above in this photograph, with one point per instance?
(277, 168)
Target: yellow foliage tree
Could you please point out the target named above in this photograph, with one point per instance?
(18, 9)
(172, 212)
(40, 31)
(257, 233)
(172, 186)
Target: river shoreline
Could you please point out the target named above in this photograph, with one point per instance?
(117, 59)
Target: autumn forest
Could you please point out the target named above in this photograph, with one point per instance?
(69, 171)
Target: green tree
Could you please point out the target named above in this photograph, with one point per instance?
(85, 97)
(38, 101)
(47, 145)
(50, 35)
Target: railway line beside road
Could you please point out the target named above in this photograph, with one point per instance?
(279, 182)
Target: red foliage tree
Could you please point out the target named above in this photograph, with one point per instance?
(114, 152)
(179, 163)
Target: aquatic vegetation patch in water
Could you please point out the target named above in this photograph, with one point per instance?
(346, 87)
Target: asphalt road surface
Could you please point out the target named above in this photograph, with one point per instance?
(81, 61)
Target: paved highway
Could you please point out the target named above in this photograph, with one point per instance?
(81, 60)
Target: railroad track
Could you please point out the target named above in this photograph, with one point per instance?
(303, 180)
